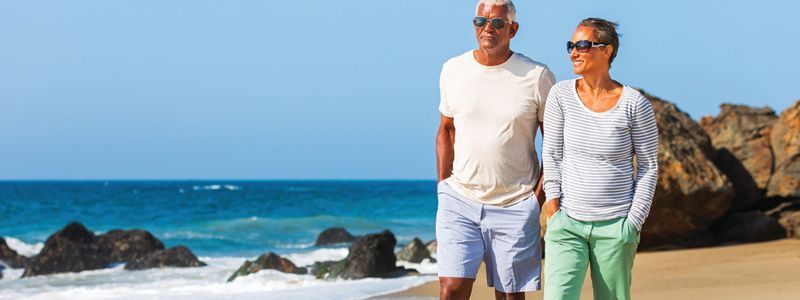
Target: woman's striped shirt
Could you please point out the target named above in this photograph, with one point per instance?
(588, 156)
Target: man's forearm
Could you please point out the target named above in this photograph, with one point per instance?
(444, 155)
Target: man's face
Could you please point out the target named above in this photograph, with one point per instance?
(490, 38)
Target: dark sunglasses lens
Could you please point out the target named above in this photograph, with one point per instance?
(498, 23)
(583, 46)
(479, 21)
(570, 46)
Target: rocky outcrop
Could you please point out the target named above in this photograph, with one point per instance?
(175, 257)
(71, 249)
(748, 227)
(414, 252)
(334, 235)
(741, 135)
(370, 256)
(267, 261)
(2, 268)
(692, 192)
(785, 139)
(10, 257)
(74, 249)
(327, 269)
(432, 245)
(788, 215)
(127, 245)
(790, 221)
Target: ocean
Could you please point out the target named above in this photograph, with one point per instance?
(224, 223)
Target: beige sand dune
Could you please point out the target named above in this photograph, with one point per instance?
(761, 271)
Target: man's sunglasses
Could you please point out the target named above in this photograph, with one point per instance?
(583, 46)
(497, 23)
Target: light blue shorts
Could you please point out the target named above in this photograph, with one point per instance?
(506, 238)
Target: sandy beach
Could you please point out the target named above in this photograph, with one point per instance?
(768, 270)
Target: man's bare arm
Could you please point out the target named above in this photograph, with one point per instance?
(539, 186)
(445, 139)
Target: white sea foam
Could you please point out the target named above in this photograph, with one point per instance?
(425, 267)
(215, 187)
(305, 259)
(188, 234)
(201, 283)
(23, 248)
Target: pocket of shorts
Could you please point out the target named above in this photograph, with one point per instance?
(633, 233)
(551, 219)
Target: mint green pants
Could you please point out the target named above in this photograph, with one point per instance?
(607, 247)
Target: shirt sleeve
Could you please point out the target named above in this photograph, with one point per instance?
(546, 81)
(444, 106)
(553, 145)
(644, 134)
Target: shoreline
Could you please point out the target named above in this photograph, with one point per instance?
(768, 270)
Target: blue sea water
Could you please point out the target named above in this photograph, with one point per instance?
(221, 221)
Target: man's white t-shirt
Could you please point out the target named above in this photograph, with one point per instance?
(496, 111)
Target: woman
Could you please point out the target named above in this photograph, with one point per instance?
(596, 207)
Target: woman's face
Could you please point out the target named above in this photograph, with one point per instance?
(595, 60)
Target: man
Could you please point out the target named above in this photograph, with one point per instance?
(492, 101)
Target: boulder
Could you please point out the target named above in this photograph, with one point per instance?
(692, 193)
(331, 269)
(2, 268)
(372, 256)
(741, 135)
(414, 252)
(10, 257)
(785, 139)
(432, 245)
(334, 235)
(127, 245)
(790, 221)
(71, 249)
(788, 215)
(267, 261)
(748, 227)
(175, 257)
(74, 249)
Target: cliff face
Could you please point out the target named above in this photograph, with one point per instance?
(692, 193)
(741, 136)
(785, 139)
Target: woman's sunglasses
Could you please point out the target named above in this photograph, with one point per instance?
(583, 46)
(497, 23)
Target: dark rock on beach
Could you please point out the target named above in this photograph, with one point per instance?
(334, 235)
(790, 221)
(785, 139)
(267, 261)
(2, 268)
(71, 249)
(10, 257)
(741, 134)
(370, 256)
(788, 215)
(74, 249)
(327, 269)
(414, 252)
(692, 193)
(748, 227)
(127, 245)
(432, 245)
(175, 257)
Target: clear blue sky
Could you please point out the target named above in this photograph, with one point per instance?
(325, 89)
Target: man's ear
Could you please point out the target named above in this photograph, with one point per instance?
(514, 28)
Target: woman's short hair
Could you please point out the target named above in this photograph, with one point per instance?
(606, 32)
